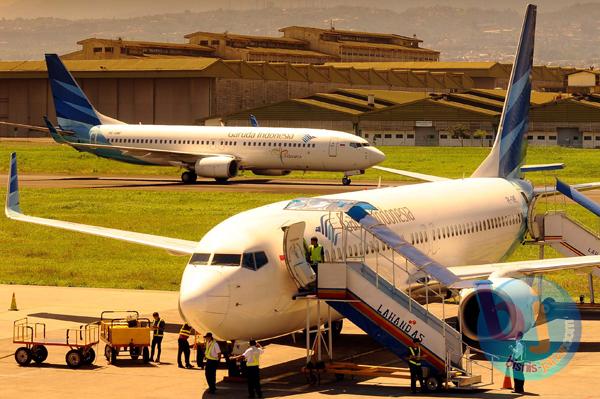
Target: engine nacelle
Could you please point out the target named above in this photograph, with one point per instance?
(216, 167)
(498, 309)
(271, 172)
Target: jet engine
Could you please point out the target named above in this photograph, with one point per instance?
(271, 172)
(217, 167)
(498, 309)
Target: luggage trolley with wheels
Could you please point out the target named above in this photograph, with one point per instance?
(33, 341)
(125, 332)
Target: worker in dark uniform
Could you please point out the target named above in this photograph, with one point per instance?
(316, 253)
(252, 357)
(212, 354)
(414, 364)
(517, 359)
(183, 346)
(158, 325)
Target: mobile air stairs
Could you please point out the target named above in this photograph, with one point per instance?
(568, 236)
(369, 282)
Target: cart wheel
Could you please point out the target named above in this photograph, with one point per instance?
(23, 356)
(74, 358)
(433, 383)
(146, 355)
(134, 352)
(107, 353)
(39, 353)
(89, 355)
(113, 355)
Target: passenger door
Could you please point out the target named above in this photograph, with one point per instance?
(333, 147)
(295, 255)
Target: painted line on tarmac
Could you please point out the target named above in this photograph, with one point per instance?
(5, 356)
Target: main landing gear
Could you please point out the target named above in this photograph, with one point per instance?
(189, 177)
(346, 181)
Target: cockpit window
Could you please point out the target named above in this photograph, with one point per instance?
(200, 259)
(358, 145)
(226, 259)
(254, 260)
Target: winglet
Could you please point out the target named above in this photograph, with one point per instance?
(253, 120)
(53, 132)
(12, 194)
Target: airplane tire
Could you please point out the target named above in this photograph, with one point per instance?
(346, 181)
(188, 177)
(221, 180)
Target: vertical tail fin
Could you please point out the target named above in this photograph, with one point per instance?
(510, 146)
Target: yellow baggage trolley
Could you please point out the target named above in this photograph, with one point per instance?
(125, 334)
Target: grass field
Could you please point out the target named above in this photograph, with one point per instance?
(38, 255)
(582, 165)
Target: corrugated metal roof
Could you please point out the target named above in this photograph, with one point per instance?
(139, 43)
(393, 96)
(397, 47)
(284, 51)
(244, 37)
(351, 32)
(537, 97)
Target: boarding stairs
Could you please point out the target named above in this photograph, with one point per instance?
(566, 235)
(378, 300)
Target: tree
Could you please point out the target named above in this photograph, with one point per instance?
(480, 134)
(460, 131)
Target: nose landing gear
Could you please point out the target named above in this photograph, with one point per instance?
(346, 181)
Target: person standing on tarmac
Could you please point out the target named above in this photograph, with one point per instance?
(517, 362)
(252, 356)
(414, 364)
(183, 346)
(158, 325)
(212, 354)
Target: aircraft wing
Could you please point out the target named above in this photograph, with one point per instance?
(13, 211)
(414, 175)
(175, 156)
(524, 267)
(36, 128)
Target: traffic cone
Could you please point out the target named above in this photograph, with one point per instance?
(13, 303)
(507, 384)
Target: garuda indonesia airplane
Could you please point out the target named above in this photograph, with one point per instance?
(468, 226)
(217, 152)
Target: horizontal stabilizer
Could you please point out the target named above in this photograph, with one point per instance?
(414, 175)
(542, 167)
(13, 211)
(572, 193)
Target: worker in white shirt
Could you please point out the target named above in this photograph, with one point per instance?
(212, 354)
(252, 357)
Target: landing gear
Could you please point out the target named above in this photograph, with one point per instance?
(221, 180)
(346, 181)
(188, 177)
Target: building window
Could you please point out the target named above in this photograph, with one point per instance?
(366, 135)
(214, 42)
(204, 42)
(587, 138)
(399, 136)
(388, 136)
(541, 137)
(489, 137)
(551, 137)
(410, 136)
(575, 138)
(108, 49)
(378, 136)
(529, 137)
(97, 49)
(443, 136)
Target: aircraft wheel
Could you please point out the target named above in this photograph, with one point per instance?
(23, 356)
(188, 177)
(346, 181)
(221, 180)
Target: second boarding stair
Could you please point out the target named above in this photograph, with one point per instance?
(386, 312)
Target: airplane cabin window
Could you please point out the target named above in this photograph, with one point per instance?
(226, 259)
(199, 259)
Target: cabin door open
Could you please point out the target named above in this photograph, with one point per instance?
(295, 254)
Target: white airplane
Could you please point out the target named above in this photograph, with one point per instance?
(217, 152)
(237, 284)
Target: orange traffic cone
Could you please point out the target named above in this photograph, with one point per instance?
(13, 303)
(507, 384)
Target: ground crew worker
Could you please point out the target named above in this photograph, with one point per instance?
(158, 325)
(183, 346)
(252, 356)
(516, 359)
(414, 364)
(212, 354)
(316, 253)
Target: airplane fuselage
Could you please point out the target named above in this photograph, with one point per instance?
(456, 222)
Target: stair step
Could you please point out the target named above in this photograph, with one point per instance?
(466, 381)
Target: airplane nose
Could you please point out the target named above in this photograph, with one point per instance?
(204, 296)
(375, 155)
